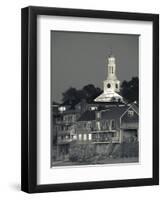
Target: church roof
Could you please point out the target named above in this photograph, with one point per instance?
(108, 97)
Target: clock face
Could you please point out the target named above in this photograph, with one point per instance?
(108, 85)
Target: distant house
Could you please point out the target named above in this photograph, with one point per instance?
(65, 130)
(116, 124)
(100, 126)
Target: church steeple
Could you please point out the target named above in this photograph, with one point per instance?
(111, 68)
(111, 84)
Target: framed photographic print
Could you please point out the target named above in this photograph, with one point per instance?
(90, 99)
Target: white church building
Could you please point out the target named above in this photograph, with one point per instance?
(111, 86)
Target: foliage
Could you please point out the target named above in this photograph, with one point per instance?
(126, 150)
(81, 152)
(86, 153)
(91, 92)
(72, 96)
(130, 90)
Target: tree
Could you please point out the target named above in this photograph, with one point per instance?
(91, 92)
(72, 96)
(130, 90)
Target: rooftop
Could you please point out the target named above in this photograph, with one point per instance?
(113, 112)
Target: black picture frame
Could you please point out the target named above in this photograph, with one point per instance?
(29, 99)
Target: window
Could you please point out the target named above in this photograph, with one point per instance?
(88, 125)
(98, 126)
(93, 108)
(98, 115)
(74, 137)
(65, 128)
(85, 137)
(65, 118)
(89, 136)
(85, 125)
(109, 85)
(112, 70)
(104, 125)
(116, 85)
(130, 113)
(62, 108)
(114, 134)
(67, 136)
(112, 124)
(80, 137)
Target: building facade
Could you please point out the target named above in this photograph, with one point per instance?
(100, 127)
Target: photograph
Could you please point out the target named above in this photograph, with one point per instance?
(94, 98)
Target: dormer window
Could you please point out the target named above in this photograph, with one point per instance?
(130, 113)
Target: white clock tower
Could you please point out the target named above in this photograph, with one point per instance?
(111, 84)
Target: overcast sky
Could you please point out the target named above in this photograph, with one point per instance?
(78, 59)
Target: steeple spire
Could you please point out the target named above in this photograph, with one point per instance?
(111, 68)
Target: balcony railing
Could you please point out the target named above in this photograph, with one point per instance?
(106, 140)
(105, 137)
(129, 126)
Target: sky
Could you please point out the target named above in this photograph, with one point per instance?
(80, 58)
